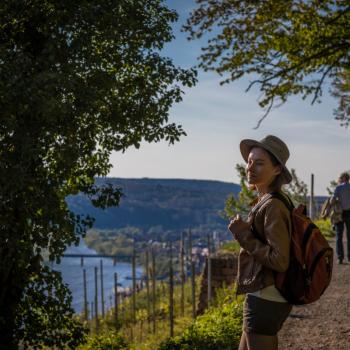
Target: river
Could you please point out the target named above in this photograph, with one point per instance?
(72, 274)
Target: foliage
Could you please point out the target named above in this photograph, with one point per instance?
(325, 227)
(107, 341)
(332, 185)
(143, 337)
(296, 190)
(159, 205)
(288, 47)
(78, 80)
(45, 316)
(231, 246)
(341, 90)
(241, 203)
(120, 243)
(111, 242)
(218, 329)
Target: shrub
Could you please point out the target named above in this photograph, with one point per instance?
(105, 341)
(218, 329)
(232, 246)
(326, 227)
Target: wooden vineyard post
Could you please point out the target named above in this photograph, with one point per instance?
(189, 252)
(182, 273)
(171, 292)
(193, 277)
(92, 310)
(122, 307)
(102, 290)
(154, 291)
(133, 284)
(147, 289)
(209, 272)
(86, 316)
(116, 300)
(96, 300)
(312, 202)
(193, 282)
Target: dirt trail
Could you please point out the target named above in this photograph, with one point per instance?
(324, 324)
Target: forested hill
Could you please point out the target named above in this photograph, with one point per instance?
(172, 204)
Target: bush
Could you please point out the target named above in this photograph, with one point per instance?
(231, 246)
(325, 227)
(105, 341)
(218, 329)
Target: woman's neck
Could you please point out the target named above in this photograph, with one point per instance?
(261, 190)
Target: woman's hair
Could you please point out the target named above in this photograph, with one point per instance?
(277, 183)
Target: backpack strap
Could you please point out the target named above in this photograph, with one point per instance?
(253, 229)
(283, 198)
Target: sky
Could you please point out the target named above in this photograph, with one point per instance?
(216, 118)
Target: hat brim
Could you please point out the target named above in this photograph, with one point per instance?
(247, 144)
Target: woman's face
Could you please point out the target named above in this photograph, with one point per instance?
(260, 170)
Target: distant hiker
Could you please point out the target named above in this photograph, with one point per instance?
(342, 194)
(265, 309)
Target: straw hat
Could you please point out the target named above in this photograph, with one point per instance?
(275, 146)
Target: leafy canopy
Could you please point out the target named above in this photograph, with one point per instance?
(341, 90)
(288, 47)
(78, 79)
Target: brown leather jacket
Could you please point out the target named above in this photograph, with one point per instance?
(258, 260)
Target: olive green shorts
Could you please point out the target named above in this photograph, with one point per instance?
(263, 316)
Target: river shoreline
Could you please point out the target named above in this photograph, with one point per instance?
(72, 274)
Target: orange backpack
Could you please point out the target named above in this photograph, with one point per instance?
(311, 258)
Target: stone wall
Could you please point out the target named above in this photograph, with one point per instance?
(223, 270)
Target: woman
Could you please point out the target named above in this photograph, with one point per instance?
(265, 309)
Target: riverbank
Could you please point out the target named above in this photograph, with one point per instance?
(72, 274)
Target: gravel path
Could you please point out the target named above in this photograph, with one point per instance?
(324, 324)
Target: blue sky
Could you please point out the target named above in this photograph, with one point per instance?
(216, 118)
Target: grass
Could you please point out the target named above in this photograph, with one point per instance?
(231, 246)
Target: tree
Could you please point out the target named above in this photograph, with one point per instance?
(296, 190)
(287, 47)
(341, 90)
(78, 79)
(241, 203)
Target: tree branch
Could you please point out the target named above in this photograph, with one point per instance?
(265, 115)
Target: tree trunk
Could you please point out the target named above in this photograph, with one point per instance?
(10, 298)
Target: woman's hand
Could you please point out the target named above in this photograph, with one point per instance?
(238, 224)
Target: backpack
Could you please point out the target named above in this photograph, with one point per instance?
(332, 210)
(311, 258)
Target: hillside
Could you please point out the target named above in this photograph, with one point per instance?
(169, 204)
